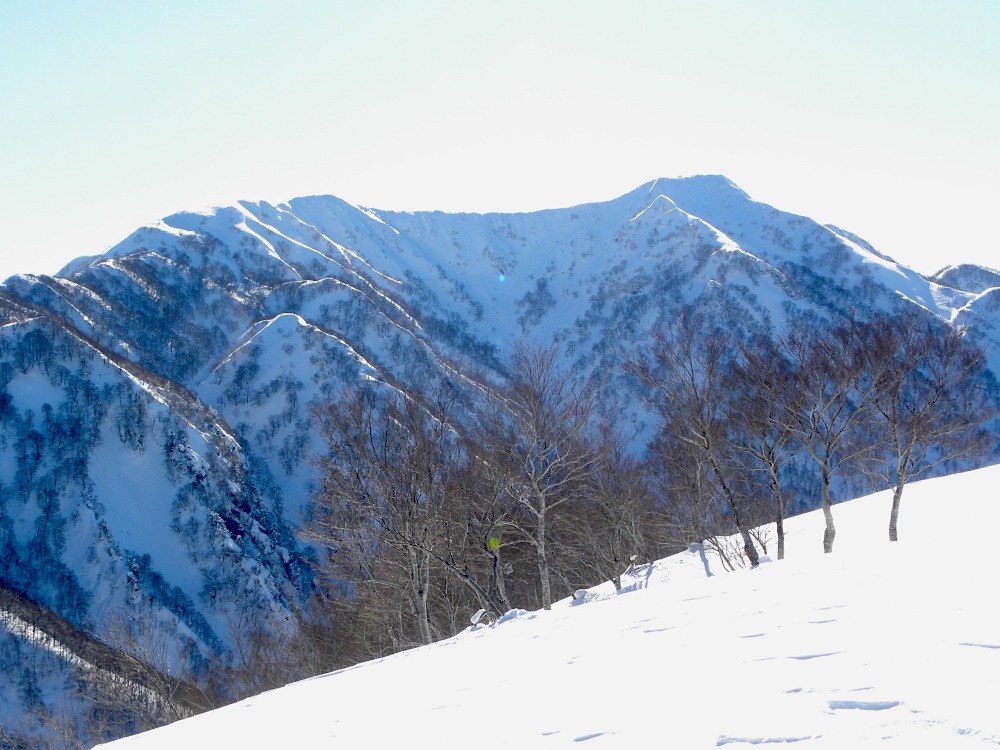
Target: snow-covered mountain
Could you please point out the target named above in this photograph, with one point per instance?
(155, 401)
(971, 278)
(880, 645)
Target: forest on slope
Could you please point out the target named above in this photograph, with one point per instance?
(170, 417)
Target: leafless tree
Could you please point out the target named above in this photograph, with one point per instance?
(134, 680)
(759, 424)
(686, 373)
(931, 397)
(478, 533)
(616, 523)
(692, 509)
(680, 475)
(537, 433)
(827, 398)
(383, 480)
(410, 505)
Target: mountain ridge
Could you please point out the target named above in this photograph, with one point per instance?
(200, 344)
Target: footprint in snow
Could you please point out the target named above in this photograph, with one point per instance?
(806, 657)
(801, 657)
(863, 705)
(724, 740)
(585, 737)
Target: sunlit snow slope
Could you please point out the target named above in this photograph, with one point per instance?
(877, 645)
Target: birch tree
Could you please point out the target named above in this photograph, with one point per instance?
(685, 374)
(826, 399)
(931, 398)
(760, 425)
(538, 430)
(384, 477)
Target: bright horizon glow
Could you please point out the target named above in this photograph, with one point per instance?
(879, 118)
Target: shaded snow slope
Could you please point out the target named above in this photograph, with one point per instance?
(877, 645)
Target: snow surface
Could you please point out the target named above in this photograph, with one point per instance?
(877, 645)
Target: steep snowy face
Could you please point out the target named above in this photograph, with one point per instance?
(130, 510)
(155, 400)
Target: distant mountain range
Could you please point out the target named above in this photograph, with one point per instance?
(155, 401)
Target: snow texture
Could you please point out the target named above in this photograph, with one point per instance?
(190, 354)
(877, 645)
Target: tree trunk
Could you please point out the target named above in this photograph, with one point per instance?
(748, 548)
(423, 616)
(779, 512)
(494, 600)
(831, 530)
(617, 553)
(420, 585)
(897, 495)
(425, 619)
(543, 564)
(498, 598)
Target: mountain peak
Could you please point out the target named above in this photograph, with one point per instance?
(705, 182)
(240, 321)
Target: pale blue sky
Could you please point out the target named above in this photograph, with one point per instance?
(881, 117)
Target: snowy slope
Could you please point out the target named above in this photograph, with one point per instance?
(387, 294)
(155, 422)
(877, 645)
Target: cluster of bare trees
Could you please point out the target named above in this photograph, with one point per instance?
(433, 507)
(884, 401)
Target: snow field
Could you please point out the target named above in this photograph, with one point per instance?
(877, 645)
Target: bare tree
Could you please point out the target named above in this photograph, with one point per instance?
(692, 509)
(410, 505)
(615, 523)
(931, 398)
(826, 399)
(477, 535)
(759, 424)
(539, 428)
(383, 482)
(686, 373)
(134, 680)
(680, 475)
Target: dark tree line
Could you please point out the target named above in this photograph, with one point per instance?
(885, 400)
(435, 506)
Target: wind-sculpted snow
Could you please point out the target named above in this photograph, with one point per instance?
(155, 409)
